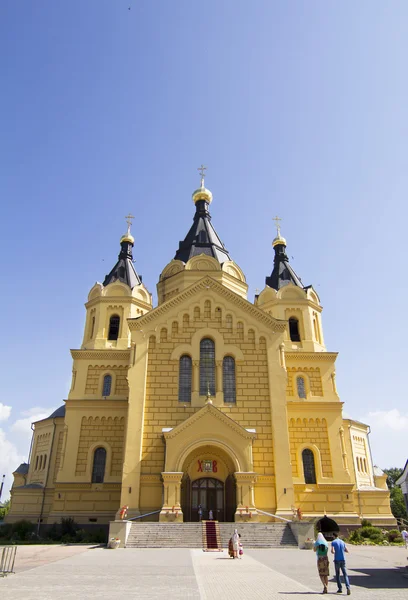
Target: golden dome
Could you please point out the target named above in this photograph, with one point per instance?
(279, 240)
(202, 194)
(128, 237)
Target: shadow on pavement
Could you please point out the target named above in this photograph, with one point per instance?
(396, 578)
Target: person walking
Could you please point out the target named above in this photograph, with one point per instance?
(235, 543)
(404, 534)
(321, 547)
(339, 548)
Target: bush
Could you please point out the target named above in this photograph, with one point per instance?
(366, 523)
(54, 532)
(68, 527)
(22, 530)
(81, 535)
(371, 532)
(6, 531)
(98, 537)
(394, 536)
(355, 537)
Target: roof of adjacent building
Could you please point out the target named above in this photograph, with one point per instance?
(282, 273)
(124, 270)
(60, 412)
(22, 469)
(202, 238)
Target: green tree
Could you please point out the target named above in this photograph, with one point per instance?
(4, 509)
(396, 498)
(392, 475)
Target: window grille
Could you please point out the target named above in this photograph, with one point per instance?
(207, 367)
(98, 469)
(185, 379)
(114, 323)
(228, 379)
(294, 329)
(309, 466)
(107, 385)
(301, 388)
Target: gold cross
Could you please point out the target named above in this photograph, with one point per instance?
(277, 219)
(129, 219)
(202, 170)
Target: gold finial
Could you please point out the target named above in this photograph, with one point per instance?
(202, 170)
(128, 237)
(279, 240)
(277, 219)
(129, 218)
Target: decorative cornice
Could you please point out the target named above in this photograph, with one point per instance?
(313, 405)
(276, 325)
(323, 356)
(215, 412)
(101, 354)
(120, 300)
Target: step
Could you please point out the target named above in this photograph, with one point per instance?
(190, 535)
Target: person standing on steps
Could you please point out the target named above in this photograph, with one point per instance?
(321, 547)
(200, 512)
(210, 515)
(339, 548)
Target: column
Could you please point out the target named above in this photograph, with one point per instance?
(196, 376)
(171, 509)
(246, 510)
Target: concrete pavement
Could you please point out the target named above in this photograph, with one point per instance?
(276, 574)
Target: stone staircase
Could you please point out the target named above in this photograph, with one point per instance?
(190, 535)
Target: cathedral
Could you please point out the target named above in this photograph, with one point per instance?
(206, 402)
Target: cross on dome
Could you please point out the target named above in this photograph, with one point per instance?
(202, 170)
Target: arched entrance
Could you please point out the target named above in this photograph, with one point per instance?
(208, 480)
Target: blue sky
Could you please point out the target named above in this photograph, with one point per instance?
(297, 108)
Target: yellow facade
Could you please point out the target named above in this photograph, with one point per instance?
(164, 454)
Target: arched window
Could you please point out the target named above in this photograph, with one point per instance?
(185, 379)
(107, 385)
(294, 329)
(365, 465)
(36, 462)
(45, 461)
(41, 459)
(98, 468)
(301, 388)
(114, 323)
(308, 466)
(207, 367)
(228, 379)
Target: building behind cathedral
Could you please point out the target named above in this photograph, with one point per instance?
(208, 399)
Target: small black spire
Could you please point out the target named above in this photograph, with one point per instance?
(282, 272)
(124, 270)
(202, 238)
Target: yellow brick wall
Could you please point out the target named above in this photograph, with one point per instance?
(162, 408)
(304, 432)
(94, 379)
(313, 376)
(101, 429)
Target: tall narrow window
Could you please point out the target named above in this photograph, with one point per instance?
(36, 462)
(45, 461)
(309, 466)
(207, 367)
(98, 468)
(107, 385)
(185, 379)
(114, 323)
(294, 329)
(301, 388)
(92, 328)
(228, 379)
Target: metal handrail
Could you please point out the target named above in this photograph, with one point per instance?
(272, 515)
(145, 515)
(7, 559)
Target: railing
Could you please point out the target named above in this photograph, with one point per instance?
(8, 557)
(402, 522)
(145, 515)
(272, 515)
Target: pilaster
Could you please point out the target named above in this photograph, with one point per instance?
(171, 509)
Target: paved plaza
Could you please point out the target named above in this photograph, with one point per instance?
(68, 572)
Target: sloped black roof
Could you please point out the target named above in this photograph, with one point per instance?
(282, 272)
(202, 238)
(60, 412)
(22, 469)
(124, 270)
